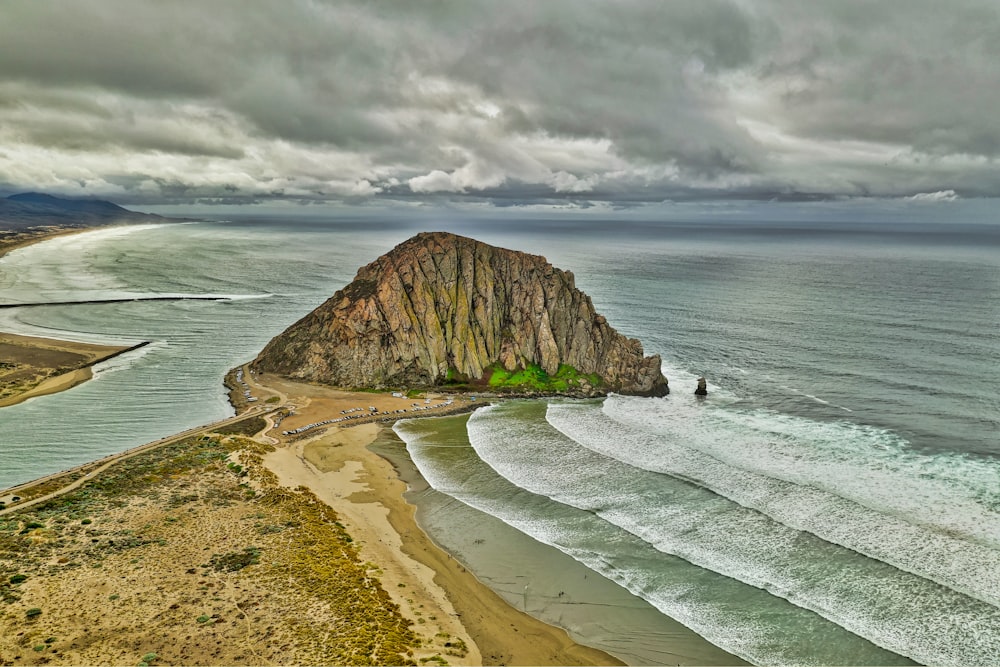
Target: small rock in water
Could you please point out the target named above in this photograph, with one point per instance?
(702, 389)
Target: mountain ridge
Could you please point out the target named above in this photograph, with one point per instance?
(29, 209)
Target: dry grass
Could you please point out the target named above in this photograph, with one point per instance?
(193, 553)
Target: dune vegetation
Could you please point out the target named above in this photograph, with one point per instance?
(191, 554)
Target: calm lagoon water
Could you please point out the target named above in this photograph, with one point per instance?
(835, 500)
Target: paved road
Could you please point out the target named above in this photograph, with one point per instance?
(115, 458)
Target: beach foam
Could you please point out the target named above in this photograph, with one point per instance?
(893, 609)
(744, 620)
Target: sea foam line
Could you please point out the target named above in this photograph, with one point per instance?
(83, 237)
(952, 494)
(969, 567)
(61, 265)
(125, 360)
(892, 608)
(711, 605)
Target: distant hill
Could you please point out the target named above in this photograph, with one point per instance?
(34, 209)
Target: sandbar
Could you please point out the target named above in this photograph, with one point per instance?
(32, 366)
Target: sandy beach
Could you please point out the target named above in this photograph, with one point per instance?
(423, 580)
(32, 236)
(365, 490)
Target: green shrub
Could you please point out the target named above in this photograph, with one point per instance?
(534, 378)
(235, 560)
(33, 612)
(18, 578)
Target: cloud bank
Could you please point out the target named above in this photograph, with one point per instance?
(523, 101)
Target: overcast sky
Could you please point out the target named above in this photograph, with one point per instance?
(611, 103)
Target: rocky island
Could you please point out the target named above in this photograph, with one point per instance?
(441, 310)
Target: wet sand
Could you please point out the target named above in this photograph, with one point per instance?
(547, 583)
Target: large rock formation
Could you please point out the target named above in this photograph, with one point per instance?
(441, 308)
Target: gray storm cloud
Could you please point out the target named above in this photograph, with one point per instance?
(148, 101)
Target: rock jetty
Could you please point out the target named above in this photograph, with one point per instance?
(441, 310)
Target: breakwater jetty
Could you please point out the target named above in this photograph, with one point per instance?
(121, 300)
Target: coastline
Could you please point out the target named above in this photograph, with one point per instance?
(338, 465)
(24, 239)
(555, 588)
(378, 513)
(424, 580)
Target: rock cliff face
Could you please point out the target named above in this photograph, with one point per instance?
(441, 308)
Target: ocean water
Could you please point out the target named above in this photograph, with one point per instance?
(834, 500)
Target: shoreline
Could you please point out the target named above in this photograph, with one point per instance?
(75, 476)
(338, 465)
(25, 239)
(422, 578)
(67, 380)
(486, 614)
(592, 609)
